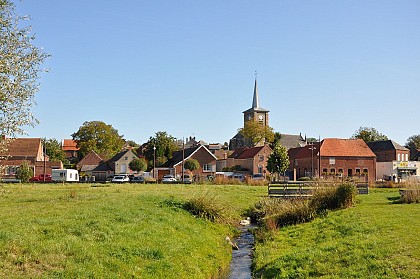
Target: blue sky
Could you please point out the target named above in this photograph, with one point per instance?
(325, 68)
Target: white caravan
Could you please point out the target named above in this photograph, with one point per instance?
(67, 175)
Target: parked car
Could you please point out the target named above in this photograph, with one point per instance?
(258, 176)
(187, 179)
(120, 179)
(238, 176)
(168, 179)
(137, 179)
(40, 178)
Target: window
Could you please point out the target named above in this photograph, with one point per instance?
(340, 170)
(126, 158)
(324, 170)
(260, 169)
(357, 171)
(207, 167)
(332, 171)
(71, 175)
(261, 158)
(406, 157)
(365, 171)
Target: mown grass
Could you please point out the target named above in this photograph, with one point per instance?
(375, 239)
(120, 231)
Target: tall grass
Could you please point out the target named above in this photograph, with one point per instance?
(273, 213)
(410, 192)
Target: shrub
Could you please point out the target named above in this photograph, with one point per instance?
(272, 213)
(411, 193)
(24, 172)
(205, 206)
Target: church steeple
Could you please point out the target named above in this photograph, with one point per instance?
(255, 99)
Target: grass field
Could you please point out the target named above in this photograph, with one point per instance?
(120, 231)
(374, 239)
(141, 231)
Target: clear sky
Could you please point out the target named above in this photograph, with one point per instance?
(325, 68)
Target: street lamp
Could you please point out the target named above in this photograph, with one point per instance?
(154, 161)
(312, 148)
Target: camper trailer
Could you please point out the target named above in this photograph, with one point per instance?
(66, 175)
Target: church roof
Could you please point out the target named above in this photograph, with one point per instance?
(256, 101)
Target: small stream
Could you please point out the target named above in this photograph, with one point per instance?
(240, 266)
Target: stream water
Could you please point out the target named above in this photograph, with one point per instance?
(240, 266)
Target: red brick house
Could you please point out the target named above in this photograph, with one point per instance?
(388, 151)
(202, 154)
(71, 150)
(29, 151)
(253, 159)
(336, 158)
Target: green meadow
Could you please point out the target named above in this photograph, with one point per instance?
(142, 231)
(118, 231)
(377, 238)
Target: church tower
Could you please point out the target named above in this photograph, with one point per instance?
(256, 113)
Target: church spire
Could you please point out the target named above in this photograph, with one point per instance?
(255, 100)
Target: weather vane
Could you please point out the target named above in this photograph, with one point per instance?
(256, 74)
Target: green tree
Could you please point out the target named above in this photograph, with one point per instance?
(24, 172)
(20, 70)
(54, 151)
(192, 165)
(413, 142)
(278, 161)
(138, 164)
(164, 144)
(256, 132)
(368, 134)
(99, 137)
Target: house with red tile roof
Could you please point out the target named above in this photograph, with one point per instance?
(29, 151)
(251, 159)
(334, 158)
(71, 150)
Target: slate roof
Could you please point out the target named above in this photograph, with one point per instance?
(292, 141)
(188, 152)
(69, 144)
(415, 155)
(345, 148)
(384, 145)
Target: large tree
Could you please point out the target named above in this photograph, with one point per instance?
(256, 132)
(164, 145)
(138, 164)
(54, 151)
(413, 142)
(278, 161)
(99, 137)
(368, 134)
(20, 70)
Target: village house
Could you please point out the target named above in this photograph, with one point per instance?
(201, 153)
(71, 150)
(393, 161)
(29, 151)
(251, 160)
(118, 164)
(336, 158)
